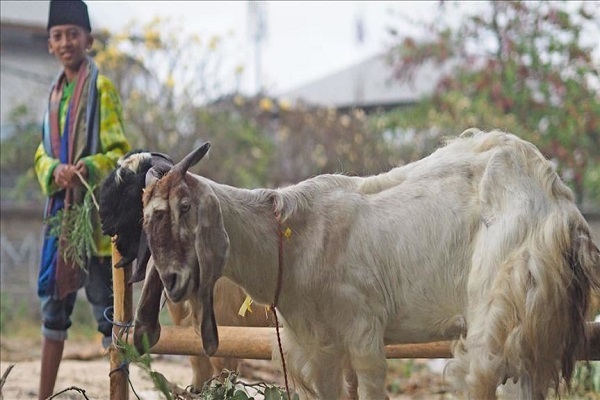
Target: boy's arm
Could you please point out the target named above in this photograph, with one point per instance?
(44, 166)
(112, 138)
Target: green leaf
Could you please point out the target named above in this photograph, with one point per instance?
(272, 393)
(240, 395)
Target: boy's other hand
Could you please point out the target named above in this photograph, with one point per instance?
(65, 176)
(82, 168)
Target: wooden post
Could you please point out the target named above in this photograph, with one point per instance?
(256, 343)
(123, 304)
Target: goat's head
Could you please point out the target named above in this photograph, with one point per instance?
(121, 205)
(185, 232)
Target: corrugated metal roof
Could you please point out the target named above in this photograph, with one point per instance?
(366, 84)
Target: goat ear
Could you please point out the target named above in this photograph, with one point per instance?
(143, 255)
(192, 159)
(212, 247)
(208, 327)
(109, 201)
(148, 309)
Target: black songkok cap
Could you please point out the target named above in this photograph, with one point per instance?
(69, 12)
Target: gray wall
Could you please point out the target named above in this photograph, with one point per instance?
(20, 246)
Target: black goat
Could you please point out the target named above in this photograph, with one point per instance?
(121, 215)
(121, 206)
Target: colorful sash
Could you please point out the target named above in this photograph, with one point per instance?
(80, 137)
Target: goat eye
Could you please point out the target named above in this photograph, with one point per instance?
(184, 206)
(158, 215)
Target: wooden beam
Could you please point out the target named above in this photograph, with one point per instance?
(256, 343)
(123, 306)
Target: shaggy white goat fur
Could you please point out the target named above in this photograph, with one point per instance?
(480, 242)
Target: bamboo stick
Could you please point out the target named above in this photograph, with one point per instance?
(256, 343)
(123, 305)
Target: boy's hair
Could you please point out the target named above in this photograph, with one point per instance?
(69, 12)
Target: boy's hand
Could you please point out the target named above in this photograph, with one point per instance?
(65, 176)
(82, 169)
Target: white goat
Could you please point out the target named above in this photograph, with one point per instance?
(480, 242)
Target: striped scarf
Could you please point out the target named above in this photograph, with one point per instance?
(80, 137)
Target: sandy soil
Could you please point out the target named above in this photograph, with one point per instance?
(84, 367)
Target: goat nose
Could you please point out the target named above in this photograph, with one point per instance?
(169, 281)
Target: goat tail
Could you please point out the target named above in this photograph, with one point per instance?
(531, 322)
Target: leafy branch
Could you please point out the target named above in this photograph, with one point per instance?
(75, 225)
(225, 386)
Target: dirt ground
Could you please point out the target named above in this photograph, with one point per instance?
(85, 367)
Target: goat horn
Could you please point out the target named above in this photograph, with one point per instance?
(191, 159)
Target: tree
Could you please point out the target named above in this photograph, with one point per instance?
(168, 81)
(308, 141)
(173, 101)
(531, 68)
(19, 182)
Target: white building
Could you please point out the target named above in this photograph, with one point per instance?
(27, 69)
(368, 85)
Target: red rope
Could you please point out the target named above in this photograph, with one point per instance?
(276, 300)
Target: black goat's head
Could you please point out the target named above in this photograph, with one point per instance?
(121, 206)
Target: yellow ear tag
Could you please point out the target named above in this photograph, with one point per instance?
(246, 306)
(287, 233)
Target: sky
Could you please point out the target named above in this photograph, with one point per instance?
(304, 40)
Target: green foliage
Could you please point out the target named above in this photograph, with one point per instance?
(17, 150)
(310, 141)
(519, 66)
(172, 103)
(75, 225)
(16, 156)
(244, 153)
(258, 141)
(15, 315)
(226, 386)
(6, 307)
(586, 378)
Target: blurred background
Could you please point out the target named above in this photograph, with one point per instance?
(288, 90)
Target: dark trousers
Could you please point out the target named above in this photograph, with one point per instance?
(56, 314)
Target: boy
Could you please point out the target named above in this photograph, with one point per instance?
(82, 136)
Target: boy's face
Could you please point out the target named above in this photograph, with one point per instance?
(69, 43)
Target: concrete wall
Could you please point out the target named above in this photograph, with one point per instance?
(20, 246)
